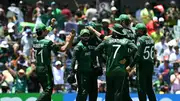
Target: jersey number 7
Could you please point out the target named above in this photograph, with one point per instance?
(117, 48)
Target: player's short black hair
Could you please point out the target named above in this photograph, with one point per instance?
(40, 30)
(118, 36)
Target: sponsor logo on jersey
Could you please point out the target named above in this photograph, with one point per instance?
(138, 43)
(38, 45)
(87, 53)
(91, 47)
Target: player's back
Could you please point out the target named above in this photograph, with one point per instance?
(42, 52)
(129, 34)
(116, 50)
(147, 49)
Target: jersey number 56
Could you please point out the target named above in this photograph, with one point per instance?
(148, 52)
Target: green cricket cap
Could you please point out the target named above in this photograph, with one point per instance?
(140, 26)
(123, 17)
(84, 31)
(117, 28)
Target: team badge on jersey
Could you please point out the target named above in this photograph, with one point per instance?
(138, 43)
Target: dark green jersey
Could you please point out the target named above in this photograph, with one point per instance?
(116, 50)
(92, 44)
(42, 51)
(130, 34)
(82, 55)
(145, 53)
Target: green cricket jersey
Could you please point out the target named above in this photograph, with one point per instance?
(116, 50)
(42, 51)
(130, 34)
(145, 53)
(82, 55)
(92, 44)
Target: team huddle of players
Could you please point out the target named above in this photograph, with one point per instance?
(124, 51)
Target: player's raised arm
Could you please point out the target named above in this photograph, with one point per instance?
(69, 41)
(98, 34)
(93, 30)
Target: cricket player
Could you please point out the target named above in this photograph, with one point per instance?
(86, 77)
(96, 65)
(42, 53)
(93, 42)
(145, 60)
(125, 22)
(116, 49)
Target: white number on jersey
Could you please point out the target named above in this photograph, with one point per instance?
(149, 51)
(39, 53)
(117, 48)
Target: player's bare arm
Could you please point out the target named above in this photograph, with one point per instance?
(69, 41)
(98, 33)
